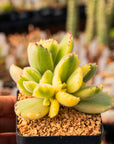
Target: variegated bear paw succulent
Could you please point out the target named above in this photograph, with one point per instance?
(55, 78)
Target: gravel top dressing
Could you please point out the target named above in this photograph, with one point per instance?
(68, 122)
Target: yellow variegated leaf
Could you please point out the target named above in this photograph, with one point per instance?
(47, 77)
(54, 108)
(85, 69)
(44, 91)
(67, 99)
(31, 108)
(74, 82)
(46, 102)
(32, 74)
(88, 92)
(21, 87)
(15, 72)
(30, 85)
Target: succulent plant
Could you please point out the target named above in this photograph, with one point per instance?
(56, 79)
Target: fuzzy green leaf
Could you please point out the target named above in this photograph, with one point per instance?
(31, 108)
(98, 104)
(40, 58)
(47, 77)
(74, 82)
(15, 72)
(30, 85)
(88, 92)
(65, 47)
(21, 87)
(32, 74)
(44, 91)
(64, 69)
(66, 99)
(89, 75)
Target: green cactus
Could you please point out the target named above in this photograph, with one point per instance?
(65, 86)
(90, 24)
(99, 17)
(105, 13)
(109, 13)
(72, 18)
(101, 21)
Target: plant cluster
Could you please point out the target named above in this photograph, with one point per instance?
(55, 78)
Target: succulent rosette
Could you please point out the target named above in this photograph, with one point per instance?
(55, 78)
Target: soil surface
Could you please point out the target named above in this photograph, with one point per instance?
(68, 122)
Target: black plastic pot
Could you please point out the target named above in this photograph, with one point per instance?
(90, 139)
(109, 132)
(93, 139)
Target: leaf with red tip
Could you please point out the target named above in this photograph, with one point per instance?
(64, 69)
(65, 47)
(88, 92)
(40, 58)
(75, 80)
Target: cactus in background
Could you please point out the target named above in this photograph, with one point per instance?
(110, 13)
(101, 21)
(90, 24)
(72, 18)
(99, 17)
(66, 86)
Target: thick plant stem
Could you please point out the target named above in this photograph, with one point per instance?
(72, 18)
(102, 29)
(90, 24)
